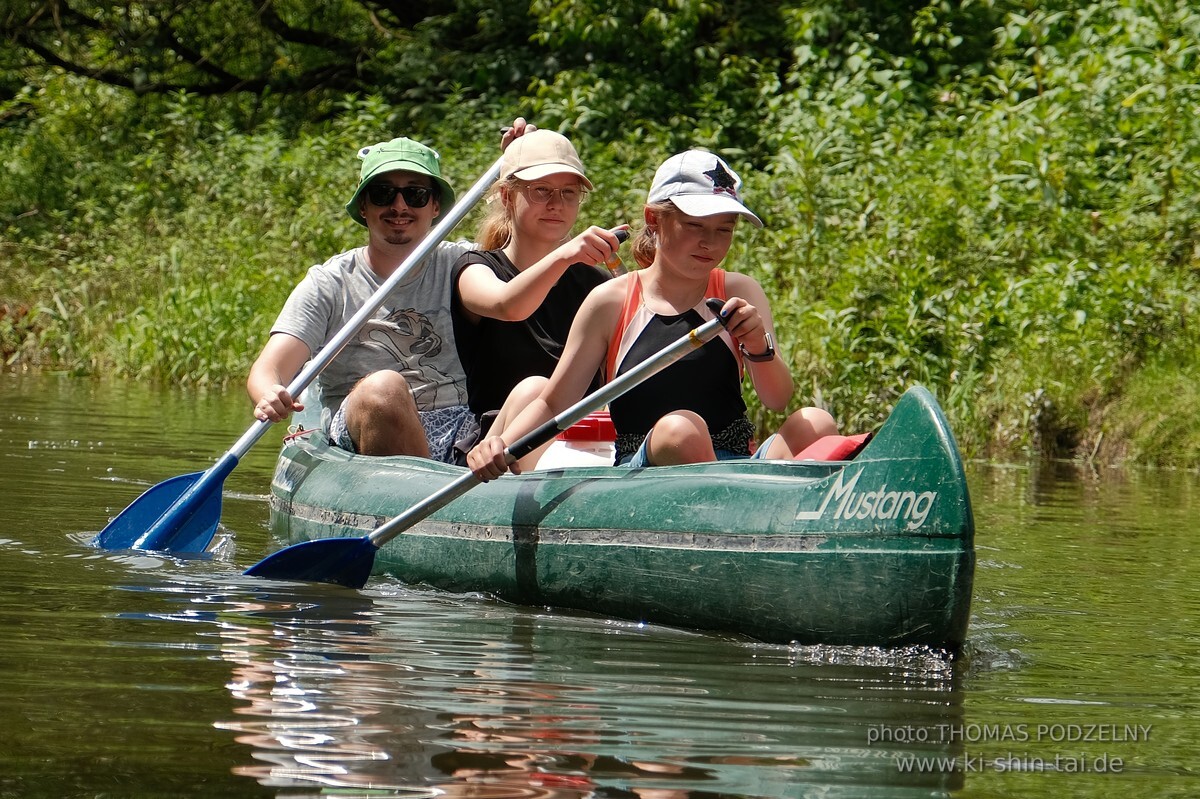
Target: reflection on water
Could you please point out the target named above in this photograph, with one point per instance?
(403, 692)
(132, 674)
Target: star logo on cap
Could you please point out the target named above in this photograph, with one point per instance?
(723, 182)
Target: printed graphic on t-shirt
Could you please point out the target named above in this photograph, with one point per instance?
(409, 338)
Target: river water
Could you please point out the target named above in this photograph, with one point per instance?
(135, 675)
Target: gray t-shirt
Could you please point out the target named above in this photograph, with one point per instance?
(412, 332)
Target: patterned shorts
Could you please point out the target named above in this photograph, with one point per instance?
(451, 432)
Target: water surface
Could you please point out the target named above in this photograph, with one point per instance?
(131, 674)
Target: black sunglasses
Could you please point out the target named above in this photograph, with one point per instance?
(384, 194)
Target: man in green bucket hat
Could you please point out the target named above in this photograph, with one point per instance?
(398, 387)
(400, 155)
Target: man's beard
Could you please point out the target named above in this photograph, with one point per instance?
(399, 236)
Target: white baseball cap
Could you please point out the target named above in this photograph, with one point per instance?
(700, 184)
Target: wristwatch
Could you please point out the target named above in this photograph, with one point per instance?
(762, 356)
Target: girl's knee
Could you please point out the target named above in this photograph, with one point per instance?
(680, 437)
(522, 394)
(680, 425)
(526, 391)
(802, 428)
(820, 421)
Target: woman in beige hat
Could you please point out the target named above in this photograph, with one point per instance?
(692, 411)
(515, 299)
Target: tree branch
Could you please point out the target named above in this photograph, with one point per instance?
(195, 58)
(52, 58)
(274, 23)
(406, 13)
(162, 53)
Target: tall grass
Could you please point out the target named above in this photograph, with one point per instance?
(1025, 242)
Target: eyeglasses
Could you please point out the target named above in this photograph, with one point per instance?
(544, 194)
(384, 194)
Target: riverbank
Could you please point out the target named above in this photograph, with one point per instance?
(1082, 349)
(1027, 249)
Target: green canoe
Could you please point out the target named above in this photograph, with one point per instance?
(876, 551)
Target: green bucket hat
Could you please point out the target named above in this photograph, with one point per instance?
(396, 155)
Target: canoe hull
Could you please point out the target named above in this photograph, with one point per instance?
(873, 552)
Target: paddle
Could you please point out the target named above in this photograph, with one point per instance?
(348, 561)
(181, 514)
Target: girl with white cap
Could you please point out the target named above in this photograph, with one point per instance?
(515, 299)
(693, 410)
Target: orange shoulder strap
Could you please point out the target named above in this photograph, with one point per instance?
(633, 298)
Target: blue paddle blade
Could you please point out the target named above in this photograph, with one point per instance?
(177, 515)
(341, 561)
(132, 525)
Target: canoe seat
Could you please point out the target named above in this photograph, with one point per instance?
(834, 448)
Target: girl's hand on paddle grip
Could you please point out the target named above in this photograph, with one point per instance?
(745, 324)
(596, 245)
(488, 459)
(510, 133)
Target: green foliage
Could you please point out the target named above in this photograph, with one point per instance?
(997, 200)
(1155, 419)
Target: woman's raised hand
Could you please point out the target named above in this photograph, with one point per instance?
(596, 245)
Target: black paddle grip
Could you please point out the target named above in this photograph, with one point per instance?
(715, 305)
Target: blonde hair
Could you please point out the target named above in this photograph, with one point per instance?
(645, 242)
(496, 229)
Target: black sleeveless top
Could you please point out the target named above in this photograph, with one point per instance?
(705, 381)
(496, 355)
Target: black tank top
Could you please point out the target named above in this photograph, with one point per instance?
(705, 381)
(496, 355)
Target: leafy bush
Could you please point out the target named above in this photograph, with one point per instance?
(999, 203)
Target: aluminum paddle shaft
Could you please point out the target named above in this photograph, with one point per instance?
(181, 514)
(348, 561)
(695, 339)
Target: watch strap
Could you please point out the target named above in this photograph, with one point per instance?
(762, 356)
